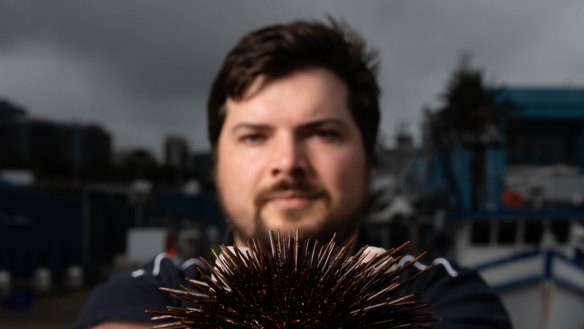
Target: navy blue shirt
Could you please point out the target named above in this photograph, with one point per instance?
(458, 297)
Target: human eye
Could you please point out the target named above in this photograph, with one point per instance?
(252, 138)
(328, 135)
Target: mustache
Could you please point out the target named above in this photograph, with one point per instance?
(300, 186)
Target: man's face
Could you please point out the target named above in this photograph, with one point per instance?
(290, 157)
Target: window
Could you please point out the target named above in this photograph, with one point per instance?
(507, 232)
(543, 142)
(560, 229)
(533, 232)
(480, 232)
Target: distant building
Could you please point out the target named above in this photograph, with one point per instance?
(176, 152)
(96, 149)
(388, 210)
(10, 112)
(202, 168)
(13, 136)
(52, 149)
(547, 128)
(61, 150)
(393, 161)
(135, 163)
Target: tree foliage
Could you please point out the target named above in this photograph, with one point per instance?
(471, 115)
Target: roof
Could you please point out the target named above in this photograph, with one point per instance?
(545, 103)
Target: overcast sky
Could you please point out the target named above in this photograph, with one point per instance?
(142, 69)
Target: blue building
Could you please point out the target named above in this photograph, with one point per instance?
(545, 128)
(526, 235)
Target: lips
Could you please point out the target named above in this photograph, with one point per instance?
(290, 199)
(283, 195)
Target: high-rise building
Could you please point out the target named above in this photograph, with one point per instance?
(176, 152)
(13, 136)
(52, 149)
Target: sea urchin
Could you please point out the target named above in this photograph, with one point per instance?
(298, 284)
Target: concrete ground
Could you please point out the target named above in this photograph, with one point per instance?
(51, 311)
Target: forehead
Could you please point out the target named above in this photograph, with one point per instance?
(305, 95)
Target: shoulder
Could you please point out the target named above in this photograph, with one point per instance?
(458, 296)
(127, 295)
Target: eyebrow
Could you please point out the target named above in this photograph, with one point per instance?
(304, 126)
(318, 123)
(250, 126)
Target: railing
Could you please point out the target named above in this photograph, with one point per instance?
(532, 267)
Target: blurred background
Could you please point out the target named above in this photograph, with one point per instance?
(104, 160)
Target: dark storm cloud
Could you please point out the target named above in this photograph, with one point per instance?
(143, 68)
(138, 44)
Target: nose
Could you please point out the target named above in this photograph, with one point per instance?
(289, 158)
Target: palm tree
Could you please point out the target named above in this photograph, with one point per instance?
(471, 116)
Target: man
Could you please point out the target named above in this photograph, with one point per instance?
(293, 117)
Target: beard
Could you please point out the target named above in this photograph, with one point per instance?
(342, 234)
(342, 223)
(340, 226)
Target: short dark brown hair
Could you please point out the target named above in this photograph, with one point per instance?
(278, 50)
